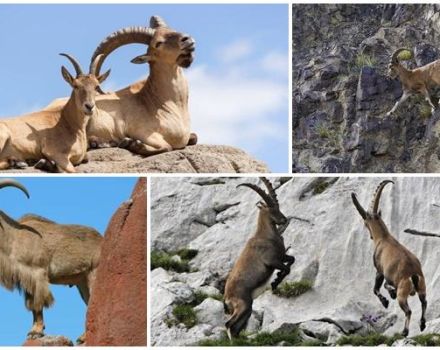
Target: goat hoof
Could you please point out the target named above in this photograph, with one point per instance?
(125, 143)
(422, 325)
(393, 294)
(35, 335)
(93, 144)
(21, 165)
(385, 302)
(405, 332)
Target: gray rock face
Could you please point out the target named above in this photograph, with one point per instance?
(327, 237)
(342, 91)
(192, 159)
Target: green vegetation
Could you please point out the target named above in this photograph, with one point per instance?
(167, 261)
(294, 289)
(405, 55)
(184, 314)
(200, 296)
(363, 60)
(263, 339)
(372, 339)
(427, 339)
(425, 111)
(323, 131)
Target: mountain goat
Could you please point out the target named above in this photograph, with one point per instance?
(151, 116)
(415, 81)
(35, 251)
(56, 136)
(395, 264)
(263, 254)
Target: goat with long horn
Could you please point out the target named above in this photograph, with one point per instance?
(264, 253)
(395, 264)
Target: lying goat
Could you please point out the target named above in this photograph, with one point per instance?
(35, 251)
(57, 136)
(395, 264)
(415, 81)
(263, 254)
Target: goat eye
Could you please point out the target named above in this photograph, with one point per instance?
(158, 44)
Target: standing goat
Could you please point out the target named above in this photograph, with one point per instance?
(395, 264)
(151, 116)
(415, 81)
(35, 251)
(263, 254)
(56, 136)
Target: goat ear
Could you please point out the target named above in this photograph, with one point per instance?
(141, 59)
(67, 76)
(380, 213)
(104, 76)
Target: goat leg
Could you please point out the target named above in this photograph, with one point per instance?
(289, 260)
(192, 139)
(377, 284)
(402, 99)
(37, 330)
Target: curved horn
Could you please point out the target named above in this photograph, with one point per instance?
(270, 189)
(358, 206)
(125, 36)
(157, 21)
(75, 64)
(14, 183)
(375, 203)
(263, 194)
(396, 53)
(94, 64)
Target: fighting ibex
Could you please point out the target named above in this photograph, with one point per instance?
(395, 264)
(415, 81)
(263, 254)
(35, 251)
(57, 136)
(151, 116)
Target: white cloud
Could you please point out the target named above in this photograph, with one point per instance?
(235, 51)
(235, 110)
(275, 62)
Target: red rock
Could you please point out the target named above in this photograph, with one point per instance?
(49, 340)
(117, 312)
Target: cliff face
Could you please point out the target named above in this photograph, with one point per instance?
(117, 312)
(332, 248)
(192, 159)
(342, 92)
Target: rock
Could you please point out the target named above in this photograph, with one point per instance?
(117, 314)
(49, 340)
(328, 239)
(192, 159)
(404, 342)
(211, 311)
(342, 90)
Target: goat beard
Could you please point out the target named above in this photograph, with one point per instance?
(185, 60)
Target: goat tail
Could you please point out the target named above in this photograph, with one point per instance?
(415, 282)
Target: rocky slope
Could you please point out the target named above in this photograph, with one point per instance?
(327, 237)
(193, 159)
(341, 90)
(117, 312)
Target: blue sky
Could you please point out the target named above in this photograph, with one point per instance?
(238, 82)
(86, 201)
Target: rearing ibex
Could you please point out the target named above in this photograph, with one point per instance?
(395, 264)
(35, 251)
(263, 254)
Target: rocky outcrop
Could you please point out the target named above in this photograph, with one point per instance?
(342, 92)
(49, 340)
(192, 159)
(117, 312)
(327, 237)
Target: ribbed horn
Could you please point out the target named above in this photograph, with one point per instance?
(94, 64)
(358, 206)
(125, 36)
(263, 194)
(270, 189)
(375, 203)
(14, 183)
(396, 53)
(157, 21)
(74, 63)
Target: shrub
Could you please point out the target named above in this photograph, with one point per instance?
(293, 289)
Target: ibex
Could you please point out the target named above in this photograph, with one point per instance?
(395, 264)
(35, 251)
(57, 136)
(263, 254)
(415, 81)
(150, 116)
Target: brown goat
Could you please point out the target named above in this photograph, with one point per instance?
(263, 254)
(35, 251)
(395, 264)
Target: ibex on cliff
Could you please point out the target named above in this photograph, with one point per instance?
(395, 264)
(35, 251)
(415, 81)
(264, 253)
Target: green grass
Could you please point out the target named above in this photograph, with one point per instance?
(405, 55)
(185, 314)
(199, 297)
(293, 289)
(363, 60)
(262, 339)
(425, 111)
(323, 131)
(427, 339)
(165, 260)
(372, 339)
